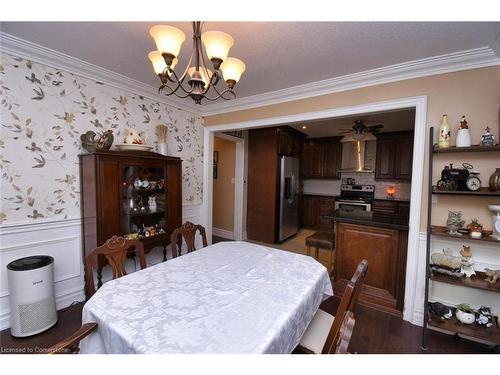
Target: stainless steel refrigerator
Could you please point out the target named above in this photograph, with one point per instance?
(288, 198)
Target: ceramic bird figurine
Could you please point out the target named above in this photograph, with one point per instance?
(91, 144)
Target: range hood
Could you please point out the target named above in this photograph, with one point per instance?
(353, 152)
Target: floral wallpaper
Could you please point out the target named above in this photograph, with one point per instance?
(43, 113)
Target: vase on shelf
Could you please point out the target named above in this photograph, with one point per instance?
(444, 133)
(162, 148)
(495, 180)
(463, 138)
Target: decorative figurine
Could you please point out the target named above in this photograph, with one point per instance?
(475, 229)
(134, 137)
(444, 133)
(487, 139)
(463, 135)
(91, 144)
(484, 317)
(145, 184)
(447, 264)
(467, 262)
(454, 222)
(465, 314)
(492, 275)
(137, 183)
(443, 311)
(152, 204)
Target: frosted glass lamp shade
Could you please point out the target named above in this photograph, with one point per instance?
(206, 74)
(158, 62)
(232, 69)
(168, 39)
(217, 44)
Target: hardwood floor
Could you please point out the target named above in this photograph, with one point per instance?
(375, 333)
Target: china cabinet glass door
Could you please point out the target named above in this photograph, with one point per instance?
(143, 201)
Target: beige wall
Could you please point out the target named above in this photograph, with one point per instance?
(474, 93)
(223, 190)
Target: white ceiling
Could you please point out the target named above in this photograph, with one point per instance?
(278, 55)
(396, 120)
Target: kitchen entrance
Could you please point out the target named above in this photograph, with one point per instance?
(389, 203)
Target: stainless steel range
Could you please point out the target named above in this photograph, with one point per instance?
(355, 198)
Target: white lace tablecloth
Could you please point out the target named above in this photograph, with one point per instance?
(231, 297)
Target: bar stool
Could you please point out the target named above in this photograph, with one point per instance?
(321, 240)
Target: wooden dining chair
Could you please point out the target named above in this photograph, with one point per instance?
(345, 334)
(115, 251)
(71, 344)
(188, 232)
(324, 333)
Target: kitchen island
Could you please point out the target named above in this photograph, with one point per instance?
(381, 240)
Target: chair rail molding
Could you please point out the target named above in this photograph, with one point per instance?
(28, 50)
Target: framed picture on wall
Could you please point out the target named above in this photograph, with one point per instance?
(215, 171)
(216, 157)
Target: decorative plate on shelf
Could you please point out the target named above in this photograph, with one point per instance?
(135, 147)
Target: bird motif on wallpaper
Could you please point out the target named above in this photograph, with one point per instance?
(91, 144)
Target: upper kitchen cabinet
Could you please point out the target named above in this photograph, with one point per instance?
(394, 156)
(289, 142)
(321, 158)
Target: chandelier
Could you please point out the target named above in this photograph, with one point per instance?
(201, 80)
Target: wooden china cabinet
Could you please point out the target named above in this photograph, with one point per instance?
(117, 189)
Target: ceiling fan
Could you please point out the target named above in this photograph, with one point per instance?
(359, 130)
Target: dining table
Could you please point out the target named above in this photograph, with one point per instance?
(229, 297)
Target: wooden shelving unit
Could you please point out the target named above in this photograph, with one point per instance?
(476, 331)
(476, 282)
(482, 192)
(439, 231)
(475, 148)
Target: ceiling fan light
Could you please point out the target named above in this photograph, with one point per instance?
(217, 44)
(206, 74)
(158, 62)
(168, 39)
(232, 69)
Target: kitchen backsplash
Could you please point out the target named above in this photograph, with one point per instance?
(332, 187)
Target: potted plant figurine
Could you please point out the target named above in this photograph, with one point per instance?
(465, 314)
(475, 229)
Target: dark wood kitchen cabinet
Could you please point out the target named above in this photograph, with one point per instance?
(322, 158)
(385, 250)
(392, 209)
(394, 156)
(265, 146)
(113, 203)
(315, 208)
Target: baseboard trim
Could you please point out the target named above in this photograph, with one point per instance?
(223, 233)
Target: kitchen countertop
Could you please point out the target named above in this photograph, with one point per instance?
(321, 194)
(392, 200)
(369, 219)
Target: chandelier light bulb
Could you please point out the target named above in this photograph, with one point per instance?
(232, 69)
(168, 39)
(217, 44)
(206, 74)
(159, 64)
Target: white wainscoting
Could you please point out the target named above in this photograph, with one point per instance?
(62, 241)
(223, 233)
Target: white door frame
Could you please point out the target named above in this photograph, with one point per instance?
(420, 104)
(239, 166)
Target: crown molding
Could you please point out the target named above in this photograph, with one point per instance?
(28, 50)
(495, 45)
(452, 62)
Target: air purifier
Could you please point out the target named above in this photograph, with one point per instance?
(32, 299)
